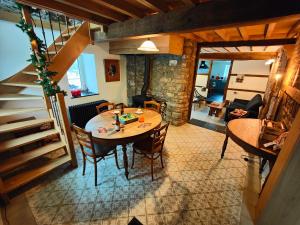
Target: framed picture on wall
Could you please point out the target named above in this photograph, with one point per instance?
(112, 70)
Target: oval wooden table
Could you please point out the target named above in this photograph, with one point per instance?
(245, 132)
(129, 133)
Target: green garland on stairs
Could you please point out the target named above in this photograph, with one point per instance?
(38, 58)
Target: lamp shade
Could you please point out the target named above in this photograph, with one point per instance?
(148, 46)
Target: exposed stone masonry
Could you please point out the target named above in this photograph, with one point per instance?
(172, 83)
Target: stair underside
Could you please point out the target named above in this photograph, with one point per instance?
(21, 159)
(13, 127)
(9, 112)
(16, 97)
(26, 177)
(22, 84)
(21, 141)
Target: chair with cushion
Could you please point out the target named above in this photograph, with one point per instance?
(152, 146)
(252, 107)
(103, 107)
(152, 105)
(91, 151)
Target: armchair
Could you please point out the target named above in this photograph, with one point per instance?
(251, 106)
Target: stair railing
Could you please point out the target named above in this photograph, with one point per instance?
(62, 21)
(55, 105)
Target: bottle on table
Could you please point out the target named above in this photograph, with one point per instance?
(117, 125)
(122, 110)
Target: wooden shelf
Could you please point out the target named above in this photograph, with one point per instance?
(10, 112)
(13, 127)
(25, 177)
(16, 97)
(21, 141)
(21, 159)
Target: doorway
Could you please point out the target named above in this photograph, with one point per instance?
(210, 87)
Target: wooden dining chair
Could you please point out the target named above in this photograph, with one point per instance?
(103, 107)
(120, 105)
(152, 146)
(93, 152)
(153, 105)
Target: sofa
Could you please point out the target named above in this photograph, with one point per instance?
(251, 106)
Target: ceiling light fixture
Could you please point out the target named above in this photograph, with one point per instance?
(148, 46)
(203, 65)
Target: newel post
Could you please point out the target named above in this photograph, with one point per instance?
(66, 127)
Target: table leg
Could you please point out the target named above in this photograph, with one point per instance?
(224, 146)
(210, 111)
(125, 160)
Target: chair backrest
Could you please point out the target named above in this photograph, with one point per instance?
(159, 136)
(85, 140)
(120, 105)
(153, 105)
(103, 107)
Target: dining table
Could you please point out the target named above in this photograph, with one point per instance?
(103, 129)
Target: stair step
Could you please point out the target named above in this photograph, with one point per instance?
(21, 159)
(21, 141)
(15, 97)
(30, 73)
(60, 43)
(52, 53)
(13, 127)
(9, 112)
(22, 84)
(68, 34)
(76, 26)
(26, 177)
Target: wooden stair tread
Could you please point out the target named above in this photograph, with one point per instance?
(21, 141)
(12, 97)
(11, 127)
(34, 73)
(9, 112)
(22, 84)
(25, 177)
(21, 159)
(60, 43)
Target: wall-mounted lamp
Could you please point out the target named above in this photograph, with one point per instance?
(148, 46)
(278, 76)
(269, 61)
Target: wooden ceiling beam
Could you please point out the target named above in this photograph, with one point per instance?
(95, 8)
(243, 33)
(293, 29)
(239, 55)
(67, 10)
(207, 16)
(157, 6)
(267, 42)
(191, 36)
(122, 7)
(222, 35)
(269, 29)
(188, 2)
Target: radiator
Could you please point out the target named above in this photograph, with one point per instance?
(81, 114)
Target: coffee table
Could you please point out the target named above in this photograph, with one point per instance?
(215, 108)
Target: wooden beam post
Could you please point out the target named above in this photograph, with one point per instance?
(66, 128)
(239, 55)
(207, 16)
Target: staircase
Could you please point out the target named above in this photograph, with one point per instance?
(35, 135)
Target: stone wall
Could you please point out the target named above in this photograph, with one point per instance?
(172, 83)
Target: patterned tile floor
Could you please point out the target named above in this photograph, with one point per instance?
(195, 187)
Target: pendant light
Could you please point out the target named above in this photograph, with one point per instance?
(148, 46)
(203, 65)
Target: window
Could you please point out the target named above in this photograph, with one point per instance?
(82, 75)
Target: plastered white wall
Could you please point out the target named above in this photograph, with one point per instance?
(111, 91)
(252, 67)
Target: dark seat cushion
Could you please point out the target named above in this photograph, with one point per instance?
(254, 103)
(100, 150)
